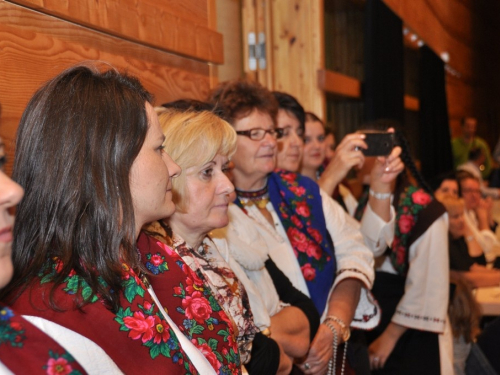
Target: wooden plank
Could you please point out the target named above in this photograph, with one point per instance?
(338, 84)
(34, 47)
(297, 54)
(231, 31)
(411, 103)
(147, 22)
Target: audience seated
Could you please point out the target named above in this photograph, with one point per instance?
(297, 240)
(466, 255)
(202, 195)
(478, 215)
(331, 175)
(89, 154)
(475, 161)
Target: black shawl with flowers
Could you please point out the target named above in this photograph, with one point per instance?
(416, 210)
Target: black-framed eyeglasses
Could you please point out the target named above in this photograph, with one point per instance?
(257, 134)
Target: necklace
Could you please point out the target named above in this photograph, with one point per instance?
(258, 197)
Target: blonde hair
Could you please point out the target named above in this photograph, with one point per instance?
(193, 139)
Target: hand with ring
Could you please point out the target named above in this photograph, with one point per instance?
(307, 366)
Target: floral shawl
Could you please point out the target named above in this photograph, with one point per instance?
(136, 337)
(413, 206)
(297, 202)
(192, 306)
(226, 287)
(24, 349)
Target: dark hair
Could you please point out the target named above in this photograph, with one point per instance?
(193, 105)
(292, 106)
(463, 175)
(76, 143)
(401, 141)
(236, 99)
(312, 117)
(438, 180)
(475, 154)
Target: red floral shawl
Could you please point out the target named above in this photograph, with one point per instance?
(413, 206)
(136, 337)
(191, 305)
(24, 349)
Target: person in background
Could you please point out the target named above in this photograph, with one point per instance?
(331, 175)
(445, 185)
(411, 282)
(298, 228)
(466, 254)
(461, 146)
(478, 215)
(89, 154)
(476, 159)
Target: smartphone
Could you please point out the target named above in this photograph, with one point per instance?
(379, 143)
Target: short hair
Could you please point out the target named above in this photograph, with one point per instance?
(291, 106)
(76, 142)
(192, 139)
(436, 182)
(236, 99)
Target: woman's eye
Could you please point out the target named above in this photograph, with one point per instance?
(161, 148)
(207, 172)
(307, 140)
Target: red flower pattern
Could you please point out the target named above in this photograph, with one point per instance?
(405, 223)
(421, 197)
(139, 326)
(59, 366)
(197, 307)
(308, 271)
(209, 355)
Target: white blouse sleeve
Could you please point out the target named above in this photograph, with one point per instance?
(377, 233)
(424, 304)
(354, 259)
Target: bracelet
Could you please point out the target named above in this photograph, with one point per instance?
(266, 332)
(379, 195)
(346, 332)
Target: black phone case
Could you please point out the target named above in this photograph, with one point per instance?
(379, 144)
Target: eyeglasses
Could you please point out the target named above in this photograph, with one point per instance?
(471, 191)
(257, 134)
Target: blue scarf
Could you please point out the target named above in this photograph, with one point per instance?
(297, 202)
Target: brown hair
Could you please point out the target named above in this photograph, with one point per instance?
(236, 99)
(77, 140)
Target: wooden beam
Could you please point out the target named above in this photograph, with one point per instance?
(152, 23)
(339, 84)
(411, 103)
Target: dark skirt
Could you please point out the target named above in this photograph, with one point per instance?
(416, 352)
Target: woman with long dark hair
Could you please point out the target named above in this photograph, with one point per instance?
(411, 281)
(89, 153)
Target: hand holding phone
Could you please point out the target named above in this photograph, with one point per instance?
(379, 143)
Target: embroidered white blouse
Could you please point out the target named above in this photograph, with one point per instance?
(354, 259)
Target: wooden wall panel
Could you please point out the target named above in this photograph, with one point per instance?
(175, 26)
(298, 47)
(34, 47)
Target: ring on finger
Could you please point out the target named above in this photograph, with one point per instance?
(307, 366)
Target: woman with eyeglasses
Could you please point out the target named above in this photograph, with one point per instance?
(299, 223)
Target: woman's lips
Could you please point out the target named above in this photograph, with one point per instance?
(6, 234)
